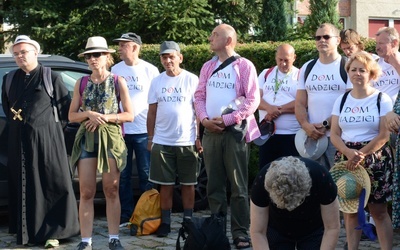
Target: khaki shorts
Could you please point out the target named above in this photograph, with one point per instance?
(169, 162)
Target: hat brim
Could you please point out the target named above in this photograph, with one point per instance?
(267, 129)
(124, 40)
(351, 205)
(31, 42)
(262, 139)
(308, 147)
(96, 50)
(168, 51)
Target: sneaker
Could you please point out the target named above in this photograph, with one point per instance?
(51, 243)
(115, 244)
(84, 246)
(163, 230)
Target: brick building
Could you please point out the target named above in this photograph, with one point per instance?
(364, 16)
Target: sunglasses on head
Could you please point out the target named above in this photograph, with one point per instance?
(95, 55)
(326, 37)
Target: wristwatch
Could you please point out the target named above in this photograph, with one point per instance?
(326, 124)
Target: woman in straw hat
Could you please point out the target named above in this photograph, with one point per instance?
(99, 145)
(359, 133)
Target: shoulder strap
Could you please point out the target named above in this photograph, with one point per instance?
(48, 83)
(268, 72)
(378, 102)
(309, 68)
(82, 86)
(9, 78)
(117, 87)
(83, 83)
(343, 101)
(343, 73)
(225, 63)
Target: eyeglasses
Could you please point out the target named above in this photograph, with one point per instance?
(22, 53)
(326, 37)
(95, 55)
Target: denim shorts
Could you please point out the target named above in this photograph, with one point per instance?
(85, 154)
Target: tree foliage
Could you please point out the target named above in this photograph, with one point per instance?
(241, 14)
(273, 24)
(63, 26)
(186, 21)
(321, 12)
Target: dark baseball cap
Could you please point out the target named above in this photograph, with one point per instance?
(169, 47)
(129, 37)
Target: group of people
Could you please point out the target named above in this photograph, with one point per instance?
(356, 112)
(293, 200)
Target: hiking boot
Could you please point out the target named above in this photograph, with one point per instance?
(163, 230)
(115, 244)
(84, 246)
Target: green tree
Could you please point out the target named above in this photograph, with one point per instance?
(273, 21)
(62, 27)
(321, 12)
(241, 14)
(186, 21)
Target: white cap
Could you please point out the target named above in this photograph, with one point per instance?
(308, 147)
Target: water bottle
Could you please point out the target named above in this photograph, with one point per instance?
(233, 105)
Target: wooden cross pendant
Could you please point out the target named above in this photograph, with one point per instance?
(17, 114)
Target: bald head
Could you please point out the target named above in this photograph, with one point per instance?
(223, 39)
(229, 31)
(285, 57)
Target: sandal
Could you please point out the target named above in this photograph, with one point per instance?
(242, 242)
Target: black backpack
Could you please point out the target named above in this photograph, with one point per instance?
(343, 73)
(203, 233)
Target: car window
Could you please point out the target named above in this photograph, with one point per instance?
(69, 77)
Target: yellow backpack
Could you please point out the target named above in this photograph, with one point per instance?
(146, 217)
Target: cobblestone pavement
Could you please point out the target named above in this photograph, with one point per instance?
(100, 237)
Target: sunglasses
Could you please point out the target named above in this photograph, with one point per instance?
(326, 37)
(95, 55)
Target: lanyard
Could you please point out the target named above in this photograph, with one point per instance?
(279, 83)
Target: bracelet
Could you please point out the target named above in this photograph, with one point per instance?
(117, 120)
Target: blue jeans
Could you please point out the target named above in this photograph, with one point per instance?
(135, 143)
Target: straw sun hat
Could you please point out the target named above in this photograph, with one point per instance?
(96, 44)
(350, 184)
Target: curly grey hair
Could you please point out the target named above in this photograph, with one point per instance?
(288, 182)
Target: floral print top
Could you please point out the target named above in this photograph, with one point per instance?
(101, 97)
(396, 175)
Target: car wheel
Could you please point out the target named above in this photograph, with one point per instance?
(201, 201)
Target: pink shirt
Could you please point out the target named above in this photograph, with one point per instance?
(246, 85)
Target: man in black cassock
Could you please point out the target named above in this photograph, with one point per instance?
(42, 204)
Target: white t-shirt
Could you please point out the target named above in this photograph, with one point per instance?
(138, 79)
(359, 119)
(286, 92)
(324, 85)
(220, 91)
(389, 81)
(175, 123)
